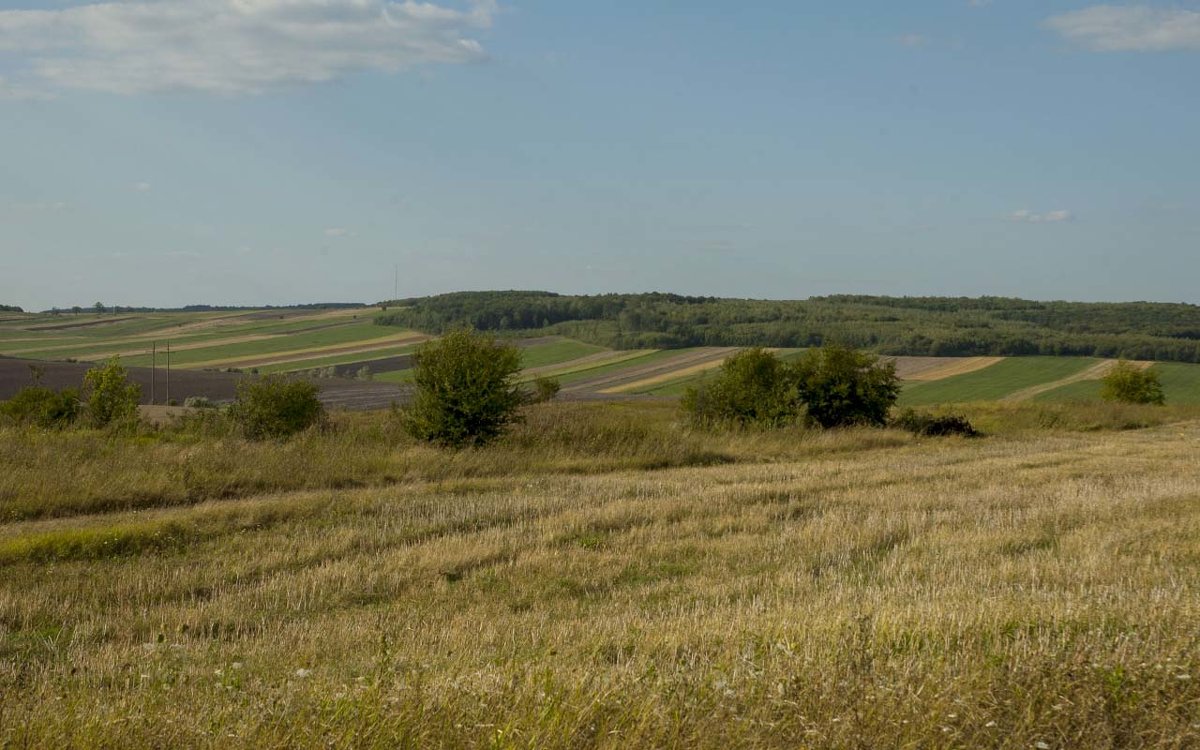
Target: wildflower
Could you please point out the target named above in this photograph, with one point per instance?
(990, 724)
(1041, 745)
(302, 673)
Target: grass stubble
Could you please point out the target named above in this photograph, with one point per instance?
(603, 578)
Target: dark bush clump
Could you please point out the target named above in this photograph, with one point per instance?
(929, 425)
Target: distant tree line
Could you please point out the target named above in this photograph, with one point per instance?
(10, 308)
(917, 326)
(100, 307)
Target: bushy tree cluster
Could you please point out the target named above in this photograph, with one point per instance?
(275, 407)
(829, 387)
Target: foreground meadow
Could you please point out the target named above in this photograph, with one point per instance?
(603, 578)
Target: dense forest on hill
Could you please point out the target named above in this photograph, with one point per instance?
(10, 308)
(928, 326)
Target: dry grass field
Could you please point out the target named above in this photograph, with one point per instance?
(603, 578)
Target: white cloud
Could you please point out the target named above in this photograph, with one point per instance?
(979, 3)
(338, 232)
(1025, 216)
(234, 46)
(913, 40)
(1117, 28)
(142, 187)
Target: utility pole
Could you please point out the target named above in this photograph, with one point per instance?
(396, 284)
(153, 360)
(168, 371)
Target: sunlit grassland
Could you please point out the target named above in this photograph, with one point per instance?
(1180, 383)
(604, 577)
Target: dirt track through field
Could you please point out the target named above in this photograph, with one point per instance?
(1095, 372)
(926, 369)
(605, 384)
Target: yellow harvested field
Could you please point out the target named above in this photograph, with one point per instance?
(926, 369)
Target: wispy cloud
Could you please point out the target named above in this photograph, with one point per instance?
(913, 40)
(338, 232)
(142, 187)
(1123, 28)
(1025, 216)
(232, 46)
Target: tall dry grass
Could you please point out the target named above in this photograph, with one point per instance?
(859, 589)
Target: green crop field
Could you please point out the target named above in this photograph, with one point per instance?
(1180, 382)
(996, 381)
(556, 352)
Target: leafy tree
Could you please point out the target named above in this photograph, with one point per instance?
(275, 407)
(99, 308)
(752, 387)
(467, 389)
(111, 398)
(841, 387)
(1130, 384)
(43, 407)
(76, 309)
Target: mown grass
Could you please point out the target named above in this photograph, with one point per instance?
(852, 589)
(995, 382)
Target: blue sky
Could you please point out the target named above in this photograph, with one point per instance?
(171, 152)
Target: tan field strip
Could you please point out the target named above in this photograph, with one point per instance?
(299, 355)
(927, 369)
(1095, 372)
(599, 359)
(637, 373)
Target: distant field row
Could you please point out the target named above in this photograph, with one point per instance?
(280, 341)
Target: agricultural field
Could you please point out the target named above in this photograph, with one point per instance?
(600, 578)
(346, 343)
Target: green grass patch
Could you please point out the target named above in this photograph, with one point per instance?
(544, 355)
(995, 382)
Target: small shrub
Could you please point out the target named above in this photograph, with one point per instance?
(364, 373)
(929, 425)
(1127, 383)
(43, 407)
(274, 407)
(841, 387)
(545, 389)
(199, 402)
(466, 390)
(111, 398)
